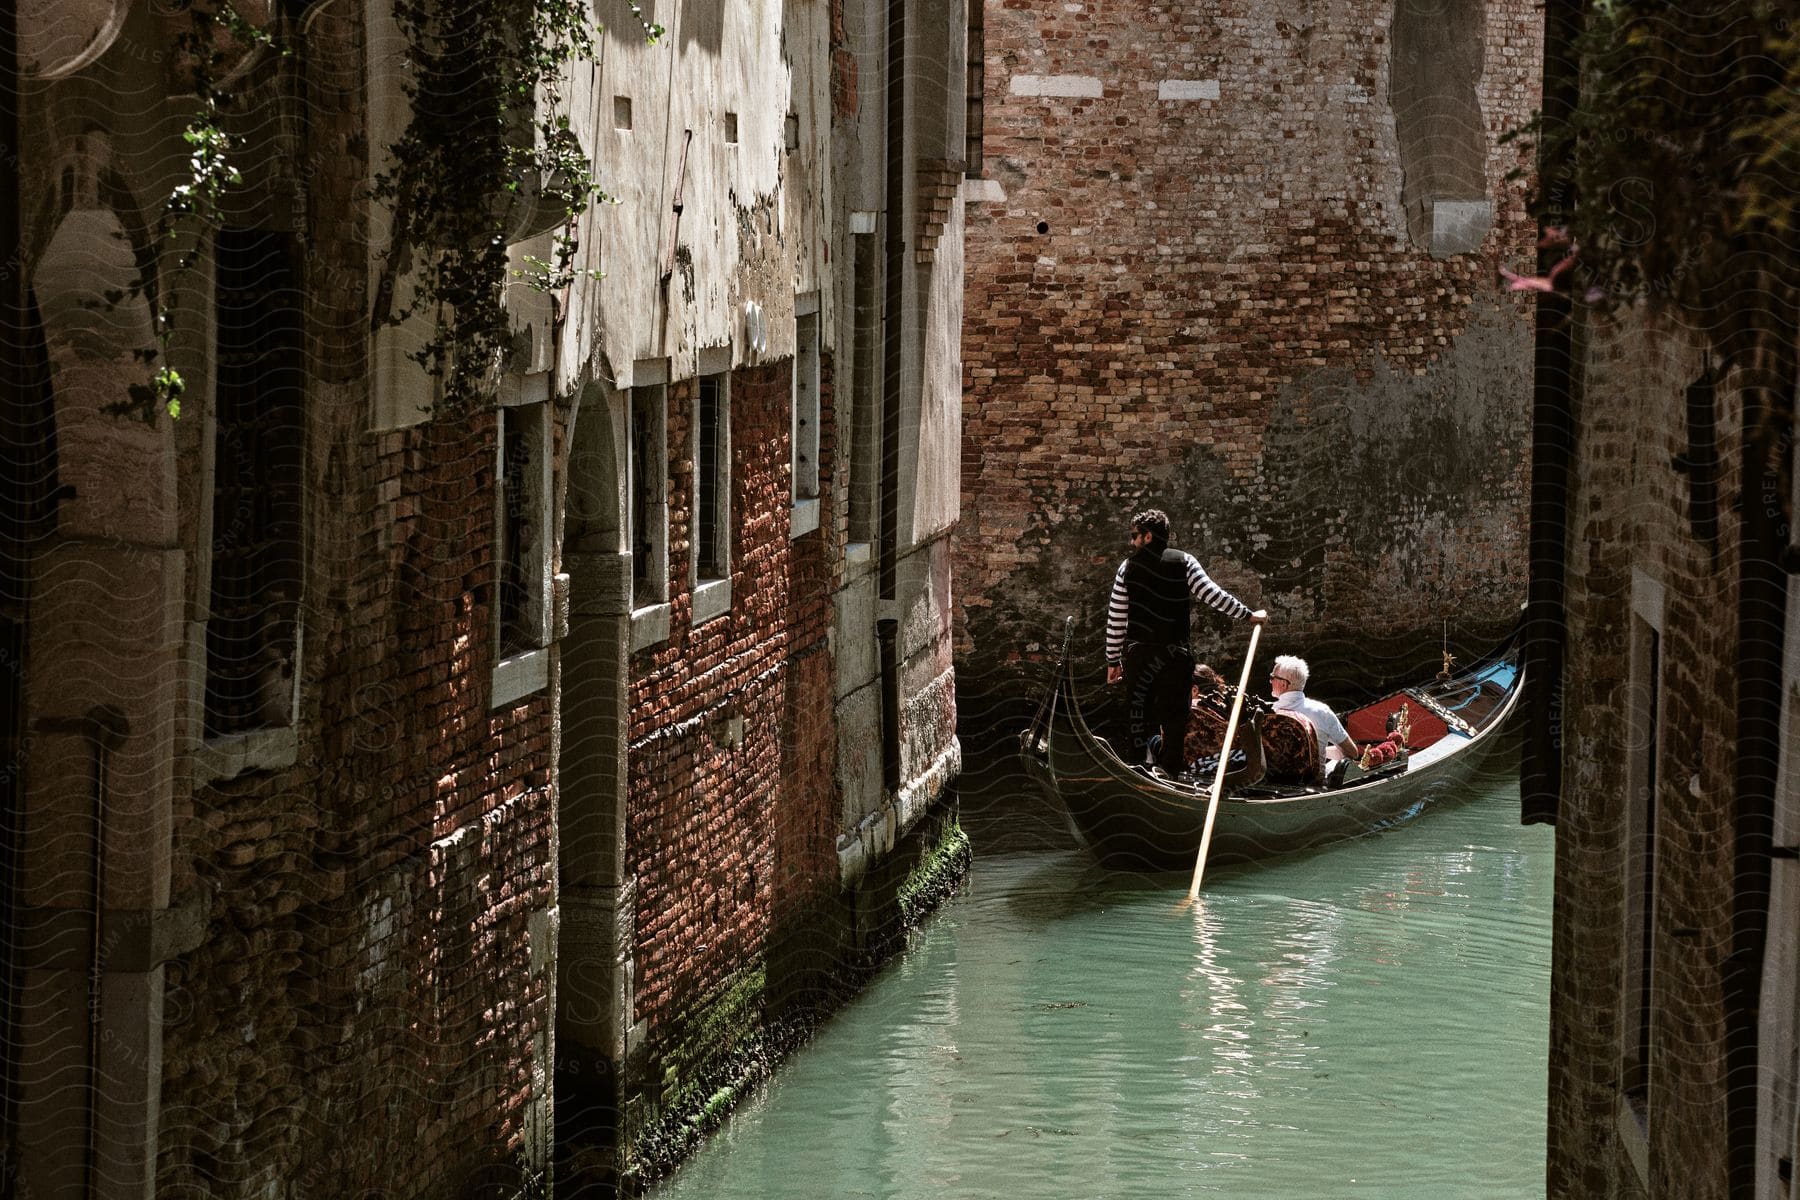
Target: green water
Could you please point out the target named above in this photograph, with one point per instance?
(1365, 1020)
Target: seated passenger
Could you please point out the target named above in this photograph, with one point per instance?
(1287, 684)
(1209, 708)
(1288, 752)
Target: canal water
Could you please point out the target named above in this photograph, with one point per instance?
(1365, 1020)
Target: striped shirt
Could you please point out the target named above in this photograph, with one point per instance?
(1200, 584)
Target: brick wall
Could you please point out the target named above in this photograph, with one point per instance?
(369, 1010)
(728, 830)
(1631, 549)
(1211, 303)
(366, 1012)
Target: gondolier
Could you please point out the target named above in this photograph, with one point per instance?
(1147, 626)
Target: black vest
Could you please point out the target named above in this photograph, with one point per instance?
(1157, 587)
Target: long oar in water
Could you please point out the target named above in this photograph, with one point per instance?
(1218, 787)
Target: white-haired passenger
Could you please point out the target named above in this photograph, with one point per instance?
(1287, 683)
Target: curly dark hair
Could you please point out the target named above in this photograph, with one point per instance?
(1153, 521)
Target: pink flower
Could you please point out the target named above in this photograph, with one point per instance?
(1537, 283)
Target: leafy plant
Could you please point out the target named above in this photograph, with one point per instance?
(485, 143)
(1676, 169)
(217, 30)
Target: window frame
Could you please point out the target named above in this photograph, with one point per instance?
(805, 417)
(1637, 976)
(522, 666)
(267, 742)
(647, 491)
(860, 458)
(650, 607)
(710, 574)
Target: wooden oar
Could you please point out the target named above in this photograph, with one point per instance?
(1218, 787)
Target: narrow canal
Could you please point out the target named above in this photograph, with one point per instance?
(1365, 1020)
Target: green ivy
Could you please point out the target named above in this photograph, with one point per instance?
(192, 205)
(1676, 174)
(485, 80)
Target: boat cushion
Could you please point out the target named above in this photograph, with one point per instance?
(1290, 749)
(1369, 723)
(1206, 728)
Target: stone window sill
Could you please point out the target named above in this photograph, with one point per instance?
(859, 560)
(221, 758)
(712, 600)
(803, 518)
(649, 626)
(520, 676)
(1634, 1136)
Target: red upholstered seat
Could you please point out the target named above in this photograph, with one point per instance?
(1206, 729)
(1369, 723)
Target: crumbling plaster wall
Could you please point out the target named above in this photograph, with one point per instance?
(749, 83)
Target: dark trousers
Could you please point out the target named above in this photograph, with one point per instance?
(1158, 680)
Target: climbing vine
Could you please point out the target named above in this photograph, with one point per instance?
(216, 32)
(486, 144)
(1673, 177)
(486, 147)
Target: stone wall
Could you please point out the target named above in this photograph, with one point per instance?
(324, 965)
(1240, 264)
(730, 817)
(1635, 563)
(446, 901)
(372, 989)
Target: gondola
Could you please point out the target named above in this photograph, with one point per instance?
(1133, 820)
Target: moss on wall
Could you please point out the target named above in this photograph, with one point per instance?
(735, 1040)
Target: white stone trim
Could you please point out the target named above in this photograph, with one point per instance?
(983, 191)
(859, 560)
(712, 600)
(1188, 89)
(1648, 598)
(1634, 1138)
(520, 676)
(221, 758)
(516, 390)
(875, 835)
(803, 518)
(649, 626)
(646, 372)
(712, 360)
(1078, 86)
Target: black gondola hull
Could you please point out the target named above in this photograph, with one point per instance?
(1132, 821)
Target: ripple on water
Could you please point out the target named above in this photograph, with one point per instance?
(1366, 1020)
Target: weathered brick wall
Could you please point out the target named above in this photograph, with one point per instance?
(373, 988)
(1628, 529)
(369, 1011)
(1211, 303)
(726, 833)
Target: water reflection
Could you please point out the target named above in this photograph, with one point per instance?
(1367, 1020)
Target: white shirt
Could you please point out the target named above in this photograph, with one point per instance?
(1326, 727)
